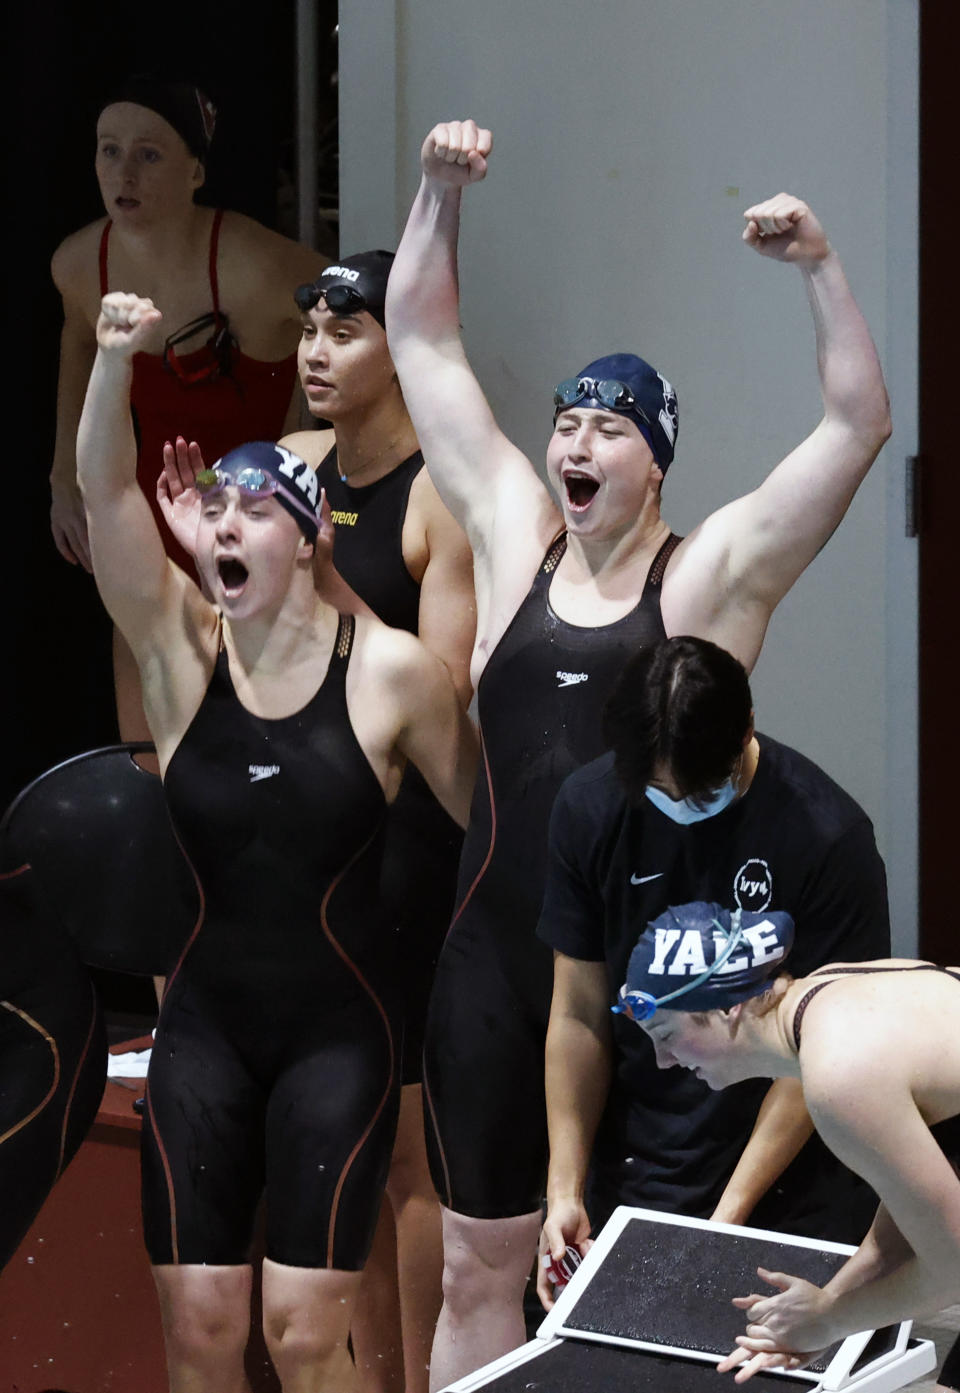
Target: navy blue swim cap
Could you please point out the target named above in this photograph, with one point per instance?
(365, 275)
(700, 957)
(290, 480)
(657, 419)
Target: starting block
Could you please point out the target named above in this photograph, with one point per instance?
(649, 1311)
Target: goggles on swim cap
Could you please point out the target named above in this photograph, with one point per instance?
(640, 1006)
(249, 481)
(263, 470)
(625, 383)
(720, 956)
(356, 283)
(339, 299)
(614, 395)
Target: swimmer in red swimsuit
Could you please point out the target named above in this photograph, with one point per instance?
(219, 275)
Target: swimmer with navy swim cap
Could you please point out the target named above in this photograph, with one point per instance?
(624, 383)
(701, 957)
(573, 575)
(261, 468)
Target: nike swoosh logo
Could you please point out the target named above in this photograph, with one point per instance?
(642, 879)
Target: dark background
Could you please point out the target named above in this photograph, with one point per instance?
(62, 61)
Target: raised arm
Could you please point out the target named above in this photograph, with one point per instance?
(141, 589)
(759, 545)
(489, 486)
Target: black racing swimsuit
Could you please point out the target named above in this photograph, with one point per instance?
(946, 1132)
(540, 703)
(275, 1063)
(52, 1056)
(422, 849)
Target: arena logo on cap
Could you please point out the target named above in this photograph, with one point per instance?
(344, 272)
(300, 474)
(688, 959)
(753, 885)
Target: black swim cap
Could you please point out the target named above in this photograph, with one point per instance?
(189, 111)
(365, 273)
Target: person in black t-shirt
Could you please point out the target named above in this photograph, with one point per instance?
(692, 804)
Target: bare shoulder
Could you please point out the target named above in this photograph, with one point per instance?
(398, 667)
(268, 255)
(311, 445)
(75, 266)
(853, 1059)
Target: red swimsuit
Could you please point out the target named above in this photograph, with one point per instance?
(218, 412)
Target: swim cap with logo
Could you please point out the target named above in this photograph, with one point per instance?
(366, 272)
(659, 421)
(700, 957)
(296, 487)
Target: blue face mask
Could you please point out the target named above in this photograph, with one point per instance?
(685, 810)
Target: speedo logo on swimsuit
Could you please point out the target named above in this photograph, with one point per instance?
(344, 272)
(570, 679)
(263, 771)
(343, 519)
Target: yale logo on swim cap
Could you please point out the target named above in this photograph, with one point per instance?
(299, 472)
(669, 416)
(689, 959)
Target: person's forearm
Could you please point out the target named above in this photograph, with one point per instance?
(578, 1069)
(851, 378)
(911, 1289)
(782, 1127)
(423, 294)
(106, 445)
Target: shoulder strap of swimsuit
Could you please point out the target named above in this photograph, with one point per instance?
(802, 1005)
(214, 245)
(104, 244)
(329, 458)
(659, 563)
(554, 555)
(344, 641)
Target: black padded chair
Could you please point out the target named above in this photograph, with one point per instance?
(106, 864)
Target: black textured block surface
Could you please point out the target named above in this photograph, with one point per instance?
(668, 1284)
(577, 1367)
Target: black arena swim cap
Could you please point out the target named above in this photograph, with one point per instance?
(189, 111)
(365, 275)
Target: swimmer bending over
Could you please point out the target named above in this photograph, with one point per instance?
(618, 581)
(876, 1048)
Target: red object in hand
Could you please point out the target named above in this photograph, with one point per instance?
(560, 1270)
